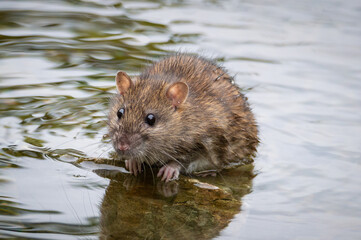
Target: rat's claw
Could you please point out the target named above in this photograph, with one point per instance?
(176, 174)
(169, 172)
(133, 166)
(126, 164)
(139, 167)
(172, 175)
(166, 173)
(161, 171)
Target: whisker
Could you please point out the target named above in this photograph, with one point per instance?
(97, 143)
(107, 150)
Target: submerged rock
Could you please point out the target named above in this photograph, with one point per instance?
(190, 208)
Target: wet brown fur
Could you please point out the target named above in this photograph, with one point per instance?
(214, 125)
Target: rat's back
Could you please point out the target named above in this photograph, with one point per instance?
(215, 104)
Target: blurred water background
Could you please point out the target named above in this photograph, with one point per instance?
(298, 62)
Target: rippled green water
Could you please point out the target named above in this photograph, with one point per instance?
(297, 61)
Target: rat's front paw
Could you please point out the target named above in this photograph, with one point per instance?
(170, 171)
(133, 166)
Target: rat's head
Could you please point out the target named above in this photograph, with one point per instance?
(144, 116)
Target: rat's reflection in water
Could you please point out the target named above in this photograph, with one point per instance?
(140, 208)
(166, 189)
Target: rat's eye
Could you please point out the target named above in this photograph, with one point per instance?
(120, 113)
(150, 119)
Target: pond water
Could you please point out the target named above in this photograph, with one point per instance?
(298, 62)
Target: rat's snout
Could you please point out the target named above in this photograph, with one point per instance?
(128, 141)
(123, 146)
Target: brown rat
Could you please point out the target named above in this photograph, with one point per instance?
(183, 113)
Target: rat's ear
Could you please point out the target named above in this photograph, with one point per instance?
(177, 93)
(123, 82)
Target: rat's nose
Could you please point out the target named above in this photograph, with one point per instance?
(123, 146)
